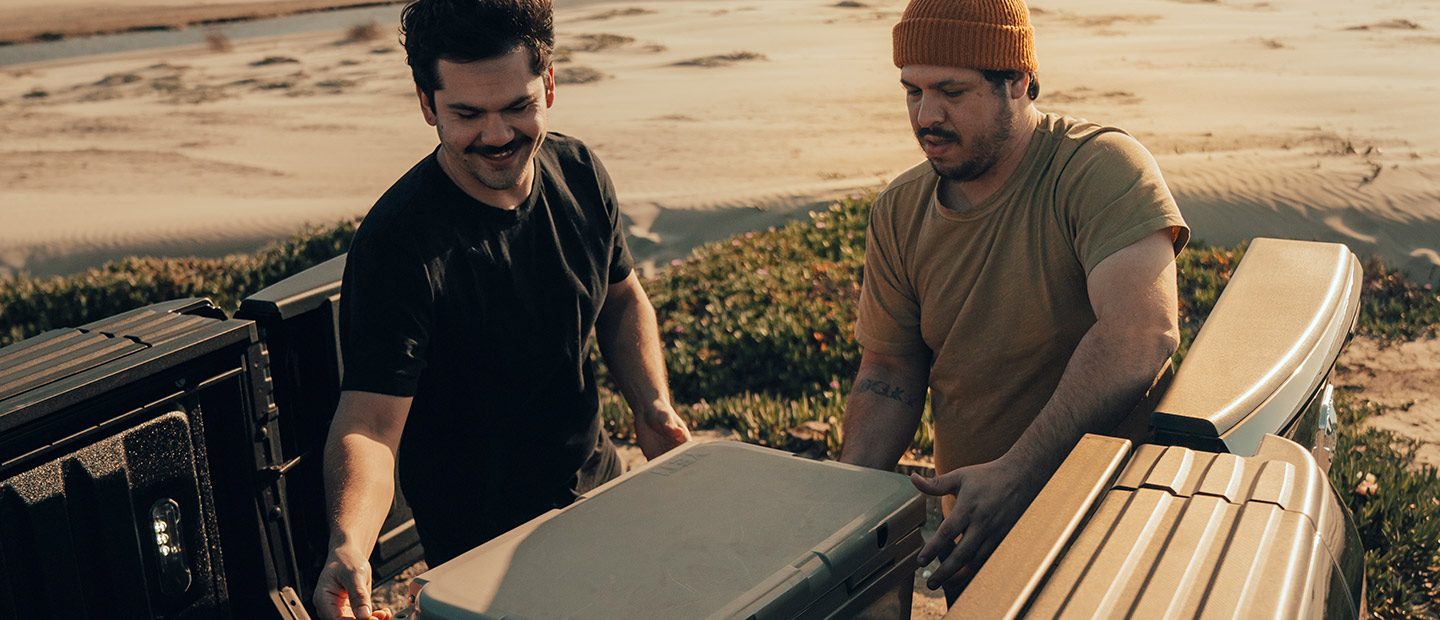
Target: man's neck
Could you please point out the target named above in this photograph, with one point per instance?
(503, 199)
(962, 195)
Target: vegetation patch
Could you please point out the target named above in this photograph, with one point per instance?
(360, 33)
(720, 60)
(29, 306)
(274, 60)
(217, 41)
(577, 75)
(593, 43)
(116, 79)
(1396, 504)
(613, 13)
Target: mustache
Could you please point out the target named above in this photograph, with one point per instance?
(481, 149)
(938, 132)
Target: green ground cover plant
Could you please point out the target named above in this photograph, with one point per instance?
(1396, 504)
(29, 306)
(759, 336)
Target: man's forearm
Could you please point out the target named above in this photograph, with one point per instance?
(629, 338)
(882, 413)
(359, 488)
(1106, 376)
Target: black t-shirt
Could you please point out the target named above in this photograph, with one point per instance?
(485, 317)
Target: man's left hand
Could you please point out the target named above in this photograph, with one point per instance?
(989, 499)
(659, 430)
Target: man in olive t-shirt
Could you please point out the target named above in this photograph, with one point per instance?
(1024, 274)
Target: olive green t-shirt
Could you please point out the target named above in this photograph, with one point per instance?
(997, 293)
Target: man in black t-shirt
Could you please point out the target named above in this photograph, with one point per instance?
(469, 299)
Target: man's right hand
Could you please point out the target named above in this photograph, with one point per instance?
(660, 430)
(343, 590)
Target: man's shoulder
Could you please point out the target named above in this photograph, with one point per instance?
(910, 190)
(1079, 141)
(568, 161)
(566, 150)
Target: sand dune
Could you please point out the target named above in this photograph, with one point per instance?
(1286, 119)
(23, 20)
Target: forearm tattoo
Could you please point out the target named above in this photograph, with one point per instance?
(883, 388)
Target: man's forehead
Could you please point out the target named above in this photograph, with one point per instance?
(491, 81)
(934, 76)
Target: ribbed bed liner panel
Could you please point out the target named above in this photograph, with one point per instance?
(1179, 525)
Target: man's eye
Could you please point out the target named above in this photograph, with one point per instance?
(954, 93)
(466, 115)
(912, 92)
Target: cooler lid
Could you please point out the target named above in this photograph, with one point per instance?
(719, 529)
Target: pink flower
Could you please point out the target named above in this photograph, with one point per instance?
(1367, 486)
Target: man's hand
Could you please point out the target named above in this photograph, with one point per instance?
(659, 430)
(989, 499)
(343, 590)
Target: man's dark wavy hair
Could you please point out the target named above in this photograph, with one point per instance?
(999, 80)
(470, 30)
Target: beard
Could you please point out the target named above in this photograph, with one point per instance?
(985, 151)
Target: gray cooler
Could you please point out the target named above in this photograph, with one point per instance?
(717, 530)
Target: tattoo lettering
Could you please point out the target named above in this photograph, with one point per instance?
(883, 388)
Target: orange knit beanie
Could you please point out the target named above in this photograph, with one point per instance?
(974, 34)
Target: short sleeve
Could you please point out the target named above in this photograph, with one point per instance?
(621, 263)
(1113, 195)
(889, 312)
(386, 314)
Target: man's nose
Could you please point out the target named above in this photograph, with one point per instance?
(495, 131)
(929, 112)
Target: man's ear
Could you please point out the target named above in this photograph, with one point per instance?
(1019, 87)
(550, 86)
(427, 105)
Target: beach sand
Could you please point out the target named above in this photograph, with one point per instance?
(1310, 120)
(27, 20)
(1296, 120)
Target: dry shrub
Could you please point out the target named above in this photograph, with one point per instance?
(358, 33)
(217, 41)
(721, 60)
(577, 75)
(595, 42)
(626, 12)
